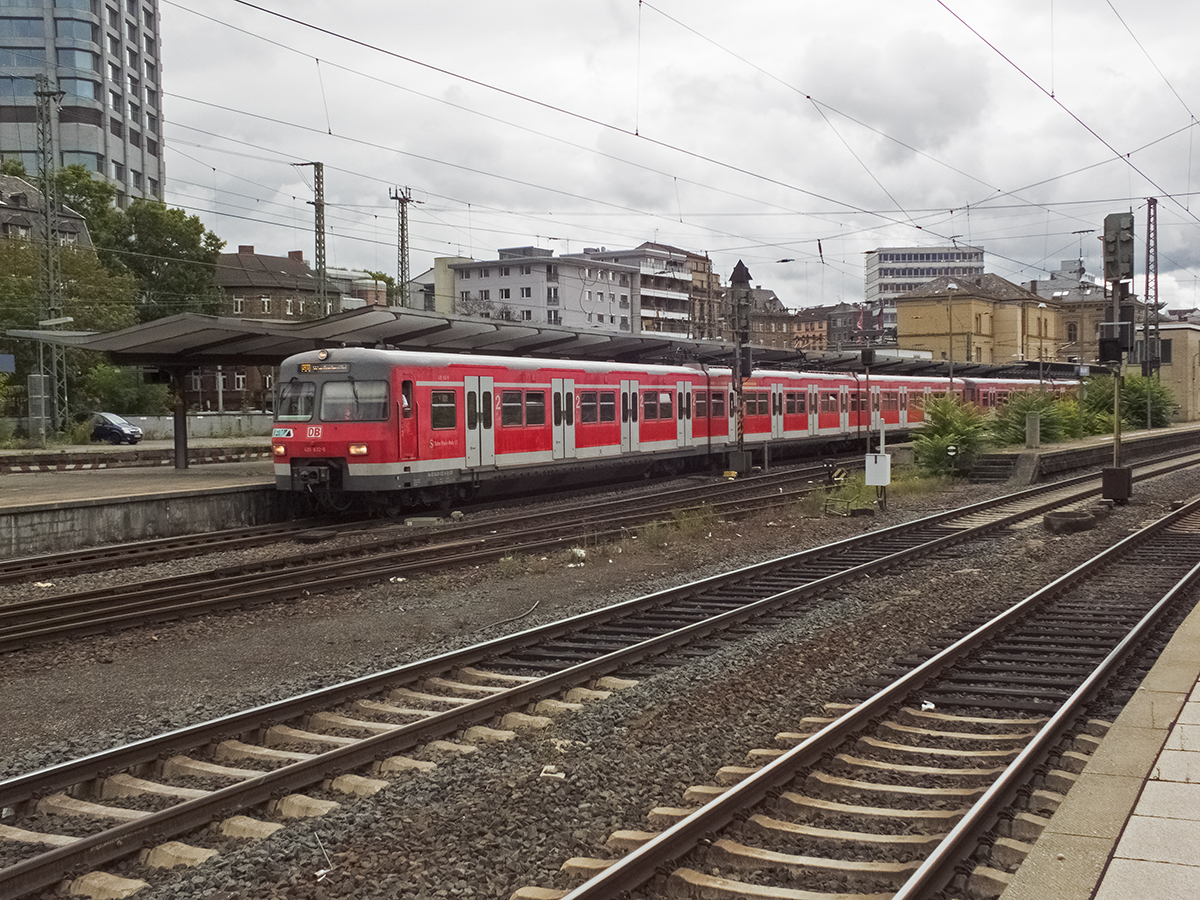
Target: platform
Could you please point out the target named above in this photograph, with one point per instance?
(84, 496)
(1129, 828)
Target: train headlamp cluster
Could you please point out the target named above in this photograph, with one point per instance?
(279, 449)
(358, 449)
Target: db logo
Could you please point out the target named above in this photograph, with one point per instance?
(314, 431)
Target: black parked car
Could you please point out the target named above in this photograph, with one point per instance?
(112, 428)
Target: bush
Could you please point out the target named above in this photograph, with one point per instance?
(1008, 426)
(951, 438)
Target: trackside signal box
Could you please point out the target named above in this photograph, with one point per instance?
(879, 469)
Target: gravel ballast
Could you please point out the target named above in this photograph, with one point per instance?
(484, 825)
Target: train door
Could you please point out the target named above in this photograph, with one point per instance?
(683, 414)
(874, 400)
(481, 441)
(903, 415)
(814, 425)
(777, 410)
(563, 419)
(844, 408)
(629, 417)
(406, 422)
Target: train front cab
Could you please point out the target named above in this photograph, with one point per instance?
(336, 416)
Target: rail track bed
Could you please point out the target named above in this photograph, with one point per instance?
(105, 610)
(138, 553)
(396, 722)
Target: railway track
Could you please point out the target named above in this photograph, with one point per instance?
(399, 552)
(110, 609)
(893, 797)
(138, 553)
(354, 735)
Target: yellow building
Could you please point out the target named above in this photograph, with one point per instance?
(1180, 370)
(983, 319)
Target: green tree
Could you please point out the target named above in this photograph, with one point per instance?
(172, 256)
(13, 166)
(121, 389)
(97, 299)
(90, 197)
(387, 280)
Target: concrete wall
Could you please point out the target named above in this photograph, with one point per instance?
(52, 527)
(200, 425)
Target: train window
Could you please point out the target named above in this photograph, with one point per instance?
(487, 409)
(295, 401)
(511, 412)
(608, 406)
(701, 404)
(789, 403)
(718, 404)
(443, 409)
(650, 405)
(589, 408)
(535, 408)
(845, 400)
(354, 401)
(570, 410)
(664, 405)
(679, 402)
(904, 400)
(558, 408)
(406, 398)
(854, 402)
(472, 411)
(801, 404)
(828, 403)
(625, 406)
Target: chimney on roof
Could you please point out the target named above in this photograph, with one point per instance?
(1033, 286)
(245, 248)
(297, 255)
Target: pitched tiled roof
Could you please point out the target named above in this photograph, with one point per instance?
(256, 270)
(986, 286)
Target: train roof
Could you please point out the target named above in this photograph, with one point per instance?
(369, 357)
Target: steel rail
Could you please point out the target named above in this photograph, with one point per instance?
(646, 861)
(293, 707)
(186, 816)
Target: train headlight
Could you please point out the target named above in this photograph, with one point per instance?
(279, 449)
(358, 449)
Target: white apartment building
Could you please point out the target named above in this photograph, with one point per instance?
(529, 284)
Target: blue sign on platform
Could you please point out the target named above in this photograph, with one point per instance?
(8, 363)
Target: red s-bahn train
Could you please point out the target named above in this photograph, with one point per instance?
(402, 429)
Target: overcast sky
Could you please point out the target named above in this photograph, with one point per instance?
(766, 130)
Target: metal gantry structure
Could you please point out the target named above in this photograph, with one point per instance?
(403, 197)
(48, 97)
(318, 203)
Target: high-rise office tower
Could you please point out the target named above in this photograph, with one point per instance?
(103, 56)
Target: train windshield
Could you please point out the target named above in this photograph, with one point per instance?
(354, 401)
(296, 401)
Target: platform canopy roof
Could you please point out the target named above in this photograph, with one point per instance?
(188, 341)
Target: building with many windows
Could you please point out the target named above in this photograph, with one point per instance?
(104, 58)
(1084, 305)
(529, 284)
(891, 271)
(980, 320)
(665, 282)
